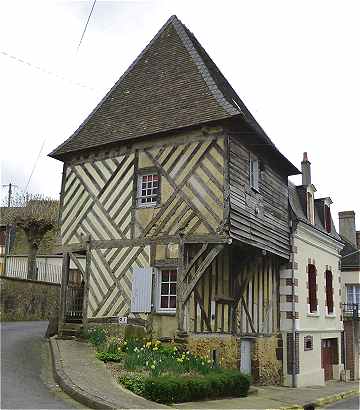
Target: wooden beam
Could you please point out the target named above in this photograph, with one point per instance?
(201, 269)
(200, 301)
(248, 314)
(180, 302)
(86, 285)
(194, 259)
(64, 280)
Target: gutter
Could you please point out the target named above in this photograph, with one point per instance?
(292, 238)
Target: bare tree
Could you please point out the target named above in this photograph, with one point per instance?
(35, 215)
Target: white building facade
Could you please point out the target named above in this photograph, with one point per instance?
(310, 291)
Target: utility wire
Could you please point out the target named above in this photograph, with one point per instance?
(43, 70)
(83, 33)
(33, 169)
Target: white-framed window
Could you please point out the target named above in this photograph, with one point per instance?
(353, 294)
(167, 289)
(148, 190)
(254, 173)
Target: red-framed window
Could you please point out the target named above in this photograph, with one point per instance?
(312, 288)
(329, 291)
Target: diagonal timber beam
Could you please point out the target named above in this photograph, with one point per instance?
(201, 269)
(248, 314)
(195, 258)
(200, 301)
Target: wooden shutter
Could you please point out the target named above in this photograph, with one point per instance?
(141, 290)
(329, 291)
(312, 288)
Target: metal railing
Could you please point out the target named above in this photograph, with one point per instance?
(16, 267)
(351, 309)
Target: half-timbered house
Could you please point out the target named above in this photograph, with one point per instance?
(179, 200)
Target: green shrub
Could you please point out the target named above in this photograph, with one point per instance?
(97, 336)
(109, 356)
(216, 384)
(134, 383)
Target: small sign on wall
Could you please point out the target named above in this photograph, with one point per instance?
(122, 320)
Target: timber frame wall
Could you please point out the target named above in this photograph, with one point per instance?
(205, 204)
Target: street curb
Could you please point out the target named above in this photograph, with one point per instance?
(324, 400)
(335, 397)
(72, 389)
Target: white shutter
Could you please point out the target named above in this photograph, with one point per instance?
(141, 290)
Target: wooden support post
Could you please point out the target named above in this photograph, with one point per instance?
(64, 282)
(86, 285)
(180, 303)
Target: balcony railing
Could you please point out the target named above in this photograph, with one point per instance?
(351, 310)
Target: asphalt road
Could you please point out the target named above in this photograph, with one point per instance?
(349, 404)
(26, 376)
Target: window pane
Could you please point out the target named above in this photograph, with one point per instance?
(165, 276)
(173, 289)
(172, 301)
(164, 302)
(173, 276)
(164, 288)
(144, 178)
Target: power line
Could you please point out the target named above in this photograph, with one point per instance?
(33, 169)
(44, 71)
(83, 33)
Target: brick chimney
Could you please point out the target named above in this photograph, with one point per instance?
(358, 239)
(347, 226)
(306, 170)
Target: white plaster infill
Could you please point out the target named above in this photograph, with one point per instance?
(318, 239)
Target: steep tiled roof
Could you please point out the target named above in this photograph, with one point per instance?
(296, 203)
(167, 87)
(171, 85)
(350, 256)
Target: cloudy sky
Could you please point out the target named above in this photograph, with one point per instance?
(295, 64)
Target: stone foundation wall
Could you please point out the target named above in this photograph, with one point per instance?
(28, 300)
(226, 348)
(266, 363)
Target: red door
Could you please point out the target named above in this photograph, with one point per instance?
(327, 358)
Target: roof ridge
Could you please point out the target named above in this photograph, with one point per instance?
(202, 67)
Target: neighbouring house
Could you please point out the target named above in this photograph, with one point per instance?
(310, 301)
(350, 287)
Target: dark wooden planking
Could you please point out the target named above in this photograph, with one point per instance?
(270, 229)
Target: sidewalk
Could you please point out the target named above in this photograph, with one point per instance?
(88, 381)
(276, 397)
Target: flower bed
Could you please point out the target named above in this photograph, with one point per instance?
(166, 372)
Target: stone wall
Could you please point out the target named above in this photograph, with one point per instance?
(224, 347)
(266, 363)
(28, 300)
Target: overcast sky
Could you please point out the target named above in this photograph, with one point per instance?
(295, 64)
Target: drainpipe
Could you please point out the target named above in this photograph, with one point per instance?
(292, 237)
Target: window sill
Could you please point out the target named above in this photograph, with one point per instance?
(330, 315)
(313, 314)
(165, 313)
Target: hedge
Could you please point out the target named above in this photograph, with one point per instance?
(217, 384)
